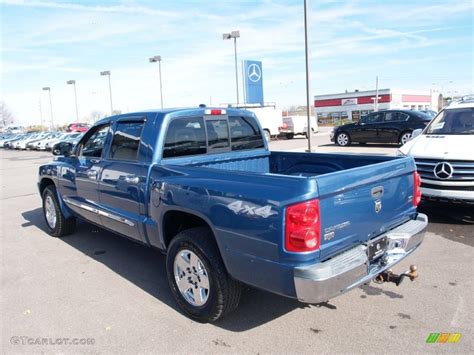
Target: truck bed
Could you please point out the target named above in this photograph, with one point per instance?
(347, 199)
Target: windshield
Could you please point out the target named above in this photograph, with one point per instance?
(455, 121)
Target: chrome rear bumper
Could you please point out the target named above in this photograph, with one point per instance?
(322, 281)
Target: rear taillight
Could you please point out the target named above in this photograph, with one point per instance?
(416, 188)
(303, 227)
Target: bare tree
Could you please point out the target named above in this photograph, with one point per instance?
(6, 116)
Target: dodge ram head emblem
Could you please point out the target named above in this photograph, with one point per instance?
(443, 170)
(378, 206)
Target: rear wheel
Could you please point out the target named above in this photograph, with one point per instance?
(343, 139)
(290, 135)
(405, 137)
(58, 225)
(197, 277)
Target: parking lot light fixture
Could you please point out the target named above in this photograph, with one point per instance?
(154, 59)
(107, 73)
(48, 89)
(308, 103)
(73, 82)
(234, 35)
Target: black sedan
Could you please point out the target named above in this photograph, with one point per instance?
(391, 126)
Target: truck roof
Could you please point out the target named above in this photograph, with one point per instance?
(185, 111)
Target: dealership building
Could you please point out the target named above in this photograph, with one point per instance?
(356, 104)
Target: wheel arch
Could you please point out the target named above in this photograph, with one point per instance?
(176, 220)
(48, 181)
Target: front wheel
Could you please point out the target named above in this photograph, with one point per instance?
(343, 139)
(197, 277)
(58, 225)
(405, 137)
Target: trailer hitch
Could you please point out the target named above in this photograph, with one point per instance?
(390, 276)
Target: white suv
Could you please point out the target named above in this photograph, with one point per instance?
(444, 153)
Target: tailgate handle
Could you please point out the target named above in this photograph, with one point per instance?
(377, 192)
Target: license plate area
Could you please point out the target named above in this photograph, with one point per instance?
(376, 248)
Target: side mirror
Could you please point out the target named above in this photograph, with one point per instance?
(62, 148)
(416, 133)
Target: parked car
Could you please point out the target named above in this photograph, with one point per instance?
(10, 142)
(35, 143)
(78, 127)
(391, 126)
(42, 144)
(297, 125)
(6, 138)
(201, 185)
(50, 144)
(72, 138)
(430, 113)
(444, 154)
(31, 142)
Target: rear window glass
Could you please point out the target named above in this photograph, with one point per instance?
(185, 136)
(244, 133)
(217, 133)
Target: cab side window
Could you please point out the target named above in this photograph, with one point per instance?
(374, 118)
(185, 136)
(94, 144)
(126, 141)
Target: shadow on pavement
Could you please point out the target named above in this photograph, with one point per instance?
(451, 221)
(145, 267)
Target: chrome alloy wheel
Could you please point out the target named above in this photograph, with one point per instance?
(50, 212)
(191, 277)
(405, 138)
(342, 139)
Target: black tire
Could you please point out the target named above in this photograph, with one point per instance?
(404, 137)
(62, 226)
(223, 293)
(343, 139)
(290, 135)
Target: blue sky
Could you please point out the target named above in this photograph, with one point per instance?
(419, 45)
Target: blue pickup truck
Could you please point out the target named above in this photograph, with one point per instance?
(201, 185)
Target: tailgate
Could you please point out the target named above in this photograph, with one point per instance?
(360, 203)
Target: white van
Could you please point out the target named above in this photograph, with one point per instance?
(297, 125)
(270, 119)
(444, 153)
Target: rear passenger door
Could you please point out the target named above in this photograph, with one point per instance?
(123, 180)
(366, 130)
(393, 124)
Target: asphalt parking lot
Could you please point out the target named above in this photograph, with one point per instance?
(113, 294)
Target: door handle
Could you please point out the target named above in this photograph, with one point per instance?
(132, 179)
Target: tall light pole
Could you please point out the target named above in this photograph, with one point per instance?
(48, 89)
(376, 102)
(157, 58)
(306, 52)
(234, 35)
(107, 73)
(73, 82)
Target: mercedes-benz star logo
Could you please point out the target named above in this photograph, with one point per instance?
(254, 72)
(443, 170)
